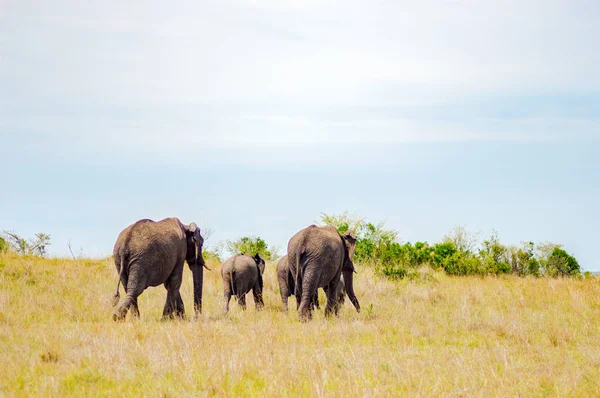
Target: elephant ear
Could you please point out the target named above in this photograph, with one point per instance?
(349, 239)
(260, 281)
(192, 231)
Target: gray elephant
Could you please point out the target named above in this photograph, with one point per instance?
(317, 257)
(151, 253)
(285, 279)
(242, 273)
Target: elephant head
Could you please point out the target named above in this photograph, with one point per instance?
(348, 271)
(195, 261)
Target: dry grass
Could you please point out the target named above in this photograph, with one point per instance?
(433, 336)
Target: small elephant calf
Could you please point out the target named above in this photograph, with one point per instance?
(242, 273)
(287, 284)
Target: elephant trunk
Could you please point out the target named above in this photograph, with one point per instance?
(198, 275)
(349, 282)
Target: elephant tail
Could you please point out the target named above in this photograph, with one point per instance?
(299, 270)
(117, 296)
(232, 283)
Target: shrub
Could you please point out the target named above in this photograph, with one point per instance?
(441, 252)
(392, 270)
(543, 252)
(379, 246)
(463, 240)
(524, 261)
(562, 263)
(461, 263)
(251, 245)
(211, 255)
(422, 253)
(35, 246)
(3, 245)
(374, 242)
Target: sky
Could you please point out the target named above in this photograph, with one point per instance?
(254, 117)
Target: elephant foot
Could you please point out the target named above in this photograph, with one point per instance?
(117, 317)
(305, 317)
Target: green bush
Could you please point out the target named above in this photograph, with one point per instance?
(211, 255)
(562, 263)
(35, 246)
(392, 271)
(3, 245)
(462, 264)
(251, 245)
(441, 252)
(457, 254)
(523, 261)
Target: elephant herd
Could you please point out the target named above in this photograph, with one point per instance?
(150, 253)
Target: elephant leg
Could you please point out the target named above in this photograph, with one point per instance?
(135, 311)
(284, 300)
(242, 301)
(226, 295)
(309, 288)
(284, 290)
(226, 303)
(258, 299)
(179, 308)
(135, 287)
(332, 303)
(316, 300)
(298, 293)
(173, 284)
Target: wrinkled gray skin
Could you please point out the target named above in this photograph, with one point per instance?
(317, 257)
(150, 253)
(286, 282)
(242, 273)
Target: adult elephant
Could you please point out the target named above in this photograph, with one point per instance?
(151, 253)
(317, 257)
(242, 273)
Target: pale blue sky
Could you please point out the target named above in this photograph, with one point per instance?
(252, 117)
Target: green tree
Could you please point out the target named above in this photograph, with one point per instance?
(493, 255)
(39, 243)
(543, 252)
(441, 252)
(522, 260)
(35, 246)
(463, 240)
(562, 263)
(374, 242)
(251, 245)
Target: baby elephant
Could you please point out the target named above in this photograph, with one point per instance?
(287, 284)
(242, 273)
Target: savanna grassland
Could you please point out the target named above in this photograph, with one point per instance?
(430, 335)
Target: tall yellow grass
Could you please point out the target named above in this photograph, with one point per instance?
(435, 335)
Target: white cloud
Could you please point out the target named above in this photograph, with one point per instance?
(218, 74)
